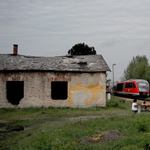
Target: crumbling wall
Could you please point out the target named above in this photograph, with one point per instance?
(84, 89)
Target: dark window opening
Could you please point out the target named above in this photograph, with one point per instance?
(15, 91)
(120, 87)
(59, 90)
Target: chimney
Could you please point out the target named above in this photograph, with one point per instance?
(15, 49)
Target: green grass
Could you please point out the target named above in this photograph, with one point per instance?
(61, 128)
(148, 98)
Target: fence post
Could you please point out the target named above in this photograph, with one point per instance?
(139, 108)
(108, 96)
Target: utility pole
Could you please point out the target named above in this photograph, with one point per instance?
(113, 78)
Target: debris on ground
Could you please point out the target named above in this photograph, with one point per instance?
(105, 136)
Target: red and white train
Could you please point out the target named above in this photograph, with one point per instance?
(134, 87)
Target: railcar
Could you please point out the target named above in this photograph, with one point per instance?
(134, 87)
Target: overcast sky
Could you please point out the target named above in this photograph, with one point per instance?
(118, 29)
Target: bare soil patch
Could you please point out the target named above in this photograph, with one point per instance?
(105, 136)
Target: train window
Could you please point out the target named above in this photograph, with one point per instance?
(142, 84)
(127, 85)
(133, 85)
(120, 87)
(130, 85)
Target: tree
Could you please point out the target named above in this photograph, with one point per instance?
(82, 49)
(138, 68)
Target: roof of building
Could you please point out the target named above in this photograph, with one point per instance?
(76, 63)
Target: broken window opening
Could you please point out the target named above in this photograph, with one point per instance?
(15, 91)
(59, 90)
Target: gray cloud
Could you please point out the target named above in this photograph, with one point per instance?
(118, 30)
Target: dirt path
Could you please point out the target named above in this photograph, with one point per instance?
(131, 99)
(70, 119)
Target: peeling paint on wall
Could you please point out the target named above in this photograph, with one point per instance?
(88, 93)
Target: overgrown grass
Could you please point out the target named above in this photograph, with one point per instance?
(57, 128)
(121, 106)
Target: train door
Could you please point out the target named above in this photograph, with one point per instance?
(128, 88)
(123, 87)
(134, 89)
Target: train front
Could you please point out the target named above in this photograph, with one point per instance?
(143, 87)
